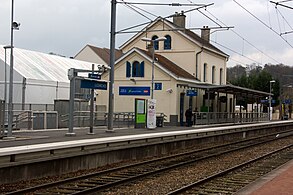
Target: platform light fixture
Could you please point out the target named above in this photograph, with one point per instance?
(14, 26)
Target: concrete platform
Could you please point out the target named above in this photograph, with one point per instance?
(29, 137)
(277, 182)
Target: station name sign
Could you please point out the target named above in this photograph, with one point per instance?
(92, 84)
(134, 91)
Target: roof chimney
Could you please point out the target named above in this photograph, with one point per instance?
(205, 33)
(179, 19)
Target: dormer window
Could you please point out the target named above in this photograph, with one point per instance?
(167, 42)
(156, 43)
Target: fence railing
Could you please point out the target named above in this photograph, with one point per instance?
(203, 118)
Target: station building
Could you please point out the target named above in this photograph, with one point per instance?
(188, 72)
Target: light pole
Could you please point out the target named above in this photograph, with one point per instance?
(152, 41)
(5, 82)
(5, 74)
(270, 98)
(14, 26)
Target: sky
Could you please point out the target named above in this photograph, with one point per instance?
(66, 26)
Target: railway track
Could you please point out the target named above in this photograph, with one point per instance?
(107, 179)
(233, 179)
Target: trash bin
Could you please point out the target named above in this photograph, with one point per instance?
(285, 117)
(160, 121)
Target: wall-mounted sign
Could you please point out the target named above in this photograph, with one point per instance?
(95, 76)
(129, 90)
(191, 93)
(90, 84)
(158, 86)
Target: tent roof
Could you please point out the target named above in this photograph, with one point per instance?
(40, 66)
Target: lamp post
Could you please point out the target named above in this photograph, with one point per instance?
(14, 26)
(152, 41)
(5, 82)
(5, 74)
(270, 99)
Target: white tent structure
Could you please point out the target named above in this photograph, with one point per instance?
(38, 78)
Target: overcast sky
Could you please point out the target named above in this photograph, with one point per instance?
(66, 26)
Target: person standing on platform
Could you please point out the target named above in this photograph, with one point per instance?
(188, 116)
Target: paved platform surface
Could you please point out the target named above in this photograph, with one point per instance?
(277, 182)
(28, 137)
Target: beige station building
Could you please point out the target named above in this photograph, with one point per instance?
(188, 71)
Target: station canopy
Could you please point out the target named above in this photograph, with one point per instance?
(229, 89)
(41, 66)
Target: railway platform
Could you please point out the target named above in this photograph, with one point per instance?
(277, 182)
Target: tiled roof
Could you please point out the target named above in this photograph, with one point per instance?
(205, 43)
(169, 65)
(104, 53)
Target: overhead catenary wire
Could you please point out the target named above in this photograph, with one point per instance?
(286, 21)
(262, 22)
(161, 4)
(279, 3)
(244, 39)
(133, 7)
(222, 23)
(169, 16)
(235, 52)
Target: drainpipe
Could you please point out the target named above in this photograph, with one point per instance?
(196, 62)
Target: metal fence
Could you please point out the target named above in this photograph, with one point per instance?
(2, 118)
(204, 118)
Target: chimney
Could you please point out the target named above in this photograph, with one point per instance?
(179, 19)
(205, 33)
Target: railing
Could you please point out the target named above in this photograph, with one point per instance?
(204, 118)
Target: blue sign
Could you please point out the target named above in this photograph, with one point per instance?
(134, 91)
(191, 93)
(287, 101)
(90, 84)
(158, 86)
(94, 76)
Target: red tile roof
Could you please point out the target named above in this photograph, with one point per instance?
(169, 65)
(104, 53)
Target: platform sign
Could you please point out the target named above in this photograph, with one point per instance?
(158, 86)
(191, 93)
(131, 90)
(287, 101)
(94, 76)
(90, 84)
(151, 114)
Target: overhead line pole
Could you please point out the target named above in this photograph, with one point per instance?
(112, 62)
(10, 98)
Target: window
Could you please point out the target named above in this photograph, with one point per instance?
(221, 76)
(135, 69)
(167, 42)
(213, 74)
(156, 43)
(205, 66)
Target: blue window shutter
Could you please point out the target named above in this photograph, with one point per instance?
(128, 69)
(142, 69)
